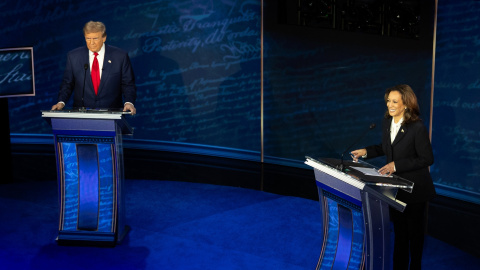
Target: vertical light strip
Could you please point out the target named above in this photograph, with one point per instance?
(88, 187)
(433, 68)
(261, 82)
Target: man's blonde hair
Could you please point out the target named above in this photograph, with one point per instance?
(95, 27)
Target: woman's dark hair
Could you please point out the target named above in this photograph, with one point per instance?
(412, 111)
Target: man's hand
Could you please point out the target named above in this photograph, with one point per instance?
(129, 107)
(58, 106)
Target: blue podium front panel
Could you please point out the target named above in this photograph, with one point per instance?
(355, 215)
(89, 152)
(87, 182)
(343, 243)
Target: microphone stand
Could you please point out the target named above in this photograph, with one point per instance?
(85, 67)
(341, 166)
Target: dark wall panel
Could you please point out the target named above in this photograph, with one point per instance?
(325, 86)
(456, 129)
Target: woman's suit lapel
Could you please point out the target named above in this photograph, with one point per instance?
(386, 139)
(390, 146)
(401, 133)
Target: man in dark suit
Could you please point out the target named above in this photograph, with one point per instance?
(407, 147)
(99, 76)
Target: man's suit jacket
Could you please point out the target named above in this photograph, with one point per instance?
(117, 84)
(412, 153)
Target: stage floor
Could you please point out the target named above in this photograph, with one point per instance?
(180, 225)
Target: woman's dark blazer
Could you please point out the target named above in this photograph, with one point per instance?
(412, 153)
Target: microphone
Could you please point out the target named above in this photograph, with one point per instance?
(341, 166)
(85, 67)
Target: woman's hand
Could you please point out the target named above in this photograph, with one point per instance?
(356, 154)
(388, 169)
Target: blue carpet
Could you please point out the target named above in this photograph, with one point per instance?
(178, 225)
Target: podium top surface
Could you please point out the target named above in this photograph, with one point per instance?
(88, 121)
(85, 114)
(354, 174)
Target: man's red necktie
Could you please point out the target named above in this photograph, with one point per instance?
(95, 73)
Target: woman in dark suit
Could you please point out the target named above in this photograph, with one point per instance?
(406, 145)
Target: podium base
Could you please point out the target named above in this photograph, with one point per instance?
(85, 238)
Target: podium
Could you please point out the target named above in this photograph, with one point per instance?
(89, 157)
(355, 213)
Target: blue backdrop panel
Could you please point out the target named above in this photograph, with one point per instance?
(456, 133)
